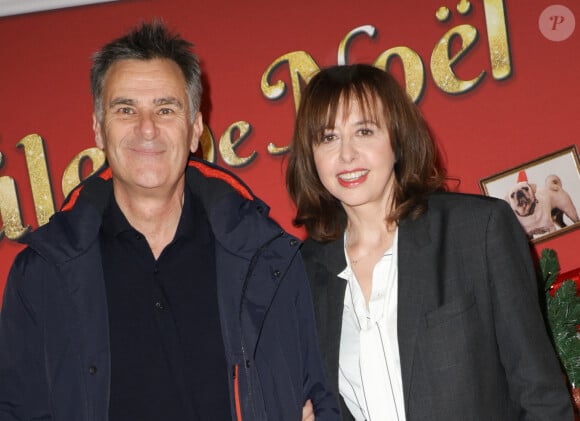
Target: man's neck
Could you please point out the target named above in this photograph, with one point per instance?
(156, 216)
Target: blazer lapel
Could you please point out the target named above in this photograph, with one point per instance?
(414, 273)
(329, 306)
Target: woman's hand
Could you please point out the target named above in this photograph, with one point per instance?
(308, 411)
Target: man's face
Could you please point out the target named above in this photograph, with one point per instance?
(146, 130)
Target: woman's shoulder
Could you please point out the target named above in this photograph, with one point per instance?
(311, 248)
(329, 254)
(451, 206)
(458, 202)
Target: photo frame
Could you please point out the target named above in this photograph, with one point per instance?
(543, 193)
(17, 7)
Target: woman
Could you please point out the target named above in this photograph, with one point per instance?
(426, 301)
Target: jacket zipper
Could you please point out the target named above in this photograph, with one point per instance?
(238, 407)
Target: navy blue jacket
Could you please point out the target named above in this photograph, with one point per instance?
(54, 337)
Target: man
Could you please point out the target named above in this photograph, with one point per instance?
(162, 290)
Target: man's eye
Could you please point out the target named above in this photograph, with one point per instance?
(165, 111)
(125, 110)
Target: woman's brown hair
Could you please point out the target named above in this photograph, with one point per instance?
(417, 169)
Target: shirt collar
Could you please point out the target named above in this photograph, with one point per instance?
(115, 222)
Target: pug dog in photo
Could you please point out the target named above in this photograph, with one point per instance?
(541, 210)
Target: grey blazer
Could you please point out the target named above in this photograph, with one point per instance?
(472, 339)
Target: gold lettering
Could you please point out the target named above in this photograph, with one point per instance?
(345, 43)
(228, 145)
(207, 143)
(302, 67)
(73, 173)
(12, 226)
(442, 63)
(442, 14)
(39, 177)
(497, 39)
(412, 65)
(277, 150)
(464, 7)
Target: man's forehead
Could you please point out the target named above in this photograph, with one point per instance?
(142, 73)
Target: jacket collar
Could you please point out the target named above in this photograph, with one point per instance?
(332, 256)
(228, 202)
(226, 199)
(70, 232)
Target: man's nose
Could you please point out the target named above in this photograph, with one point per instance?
(147, 125)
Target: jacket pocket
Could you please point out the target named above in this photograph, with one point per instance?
(452, 336)
(450, 310)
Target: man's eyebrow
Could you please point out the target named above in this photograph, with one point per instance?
(168, 101)
(157, 102)
(121, 101)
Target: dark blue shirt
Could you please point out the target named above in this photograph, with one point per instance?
(167, 352)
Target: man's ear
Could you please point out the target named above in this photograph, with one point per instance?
(196, 132)
(97, 129)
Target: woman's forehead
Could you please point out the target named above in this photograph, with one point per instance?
(367, 105)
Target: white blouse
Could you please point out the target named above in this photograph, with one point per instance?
(369, 364)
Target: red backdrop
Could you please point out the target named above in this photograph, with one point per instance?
(500, 122)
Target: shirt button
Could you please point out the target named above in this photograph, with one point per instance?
(276, 273)
(293, 242)
(159, 306)
(92, 370)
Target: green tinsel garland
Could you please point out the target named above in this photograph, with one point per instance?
(562, 316)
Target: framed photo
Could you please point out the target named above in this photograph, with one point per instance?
(544, 193)
(17, 7)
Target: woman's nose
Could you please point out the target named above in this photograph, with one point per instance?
(348, 150)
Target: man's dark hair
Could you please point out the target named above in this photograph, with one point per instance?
(147, 42)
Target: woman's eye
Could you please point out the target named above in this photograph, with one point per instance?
(328, 137)
(366, 132)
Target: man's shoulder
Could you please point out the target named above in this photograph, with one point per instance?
(68, 233)
(210, 181)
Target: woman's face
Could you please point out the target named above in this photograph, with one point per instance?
(355, 159)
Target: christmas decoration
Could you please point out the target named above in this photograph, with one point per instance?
(562, 308)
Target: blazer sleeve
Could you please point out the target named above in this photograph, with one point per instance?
(534, 375)
(316, 386)
(23, 388)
